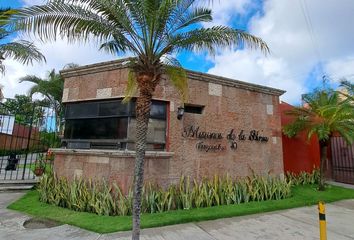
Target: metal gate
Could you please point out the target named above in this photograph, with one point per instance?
(342, 160)
(25, 137)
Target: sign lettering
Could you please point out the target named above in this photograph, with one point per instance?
(232, 137)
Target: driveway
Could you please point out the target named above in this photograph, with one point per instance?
(299, 223)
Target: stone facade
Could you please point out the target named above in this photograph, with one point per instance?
(218, 141)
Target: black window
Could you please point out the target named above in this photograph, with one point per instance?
(158, 110)
(82, 110)
(196, 109)
(116, 108)
(111, 124)
(96, 128)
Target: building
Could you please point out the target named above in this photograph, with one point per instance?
(229, 127)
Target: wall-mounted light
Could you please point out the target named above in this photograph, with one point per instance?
(180, 113)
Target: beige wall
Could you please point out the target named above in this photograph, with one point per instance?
(240, 107)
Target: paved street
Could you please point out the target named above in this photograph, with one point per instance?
(300, 223)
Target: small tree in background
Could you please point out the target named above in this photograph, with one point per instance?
(24, 109)
(324, 114)
(51, 88)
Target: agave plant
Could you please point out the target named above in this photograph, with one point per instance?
(103, 198)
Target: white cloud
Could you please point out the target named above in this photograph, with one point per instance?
(33, 2)
(251, 67)
(224, 11)
(294, 54)
(58, 54)
(341, 68)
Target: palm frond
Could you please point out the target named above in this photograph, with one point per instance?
(132, 87)
(177, 75)
(51, 87)
(216, 37)
(30, 78)
(347, 90)
(76, 22)
(22, 51)
(325, 114)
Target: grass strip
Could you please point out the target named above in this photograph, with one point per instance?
(302, 196)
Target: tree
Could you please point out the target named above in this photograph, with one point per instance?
(52, 89)
(22, 51)
(153, 31)
(325, 113)
(24, 109)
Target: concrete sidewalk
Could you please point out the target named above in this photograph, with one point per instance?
(299, 223)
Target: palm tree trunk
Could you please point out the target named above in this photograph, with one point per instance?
(323, 159)
(143, 104)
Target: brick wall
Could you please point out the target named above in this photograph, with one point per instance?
(111, 165)
(228, 105)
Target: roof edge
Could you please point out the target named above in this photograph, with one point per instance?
(199, 76)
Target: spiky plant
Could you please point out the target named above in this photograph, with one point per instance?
(153, 31)
(324, 114)
(22, 51)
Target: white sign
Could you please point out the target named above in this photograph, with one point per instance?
(7, 123)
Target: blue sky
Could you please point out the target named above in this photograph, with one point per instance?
(308, 39)
(11, 3)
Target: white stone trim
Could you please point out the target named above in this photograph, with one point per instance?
(65, 95)
(270, 109)
(215, 89)
(104, 93)
(172, 106)
(109, 153)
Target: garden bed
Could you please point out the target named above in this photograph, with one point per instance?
(303, 195)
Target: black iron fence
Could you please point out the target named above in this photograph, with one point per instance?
(342, 160)
(25, 138)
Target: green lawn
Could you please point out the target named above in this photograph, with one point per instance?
(302, 196)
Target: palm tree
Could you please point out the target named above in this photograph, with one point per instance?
(153, 31)
(52, 89)
(324, 114)
(348, 89)
(22, 51)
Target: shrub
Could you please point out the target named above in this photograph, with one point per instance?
(303, 178)
(107, 199)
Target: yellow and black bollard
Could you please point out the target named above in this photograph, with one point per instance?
(322, 218)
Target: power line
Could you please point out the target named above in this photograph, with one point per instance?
(312, 34)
